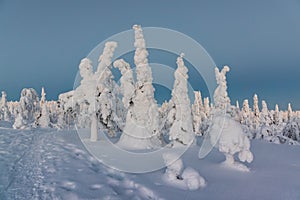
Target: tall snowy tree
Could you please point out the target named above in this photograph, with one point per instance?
(44, 120)
(198, 112)
(256, 112)
(206, 107)
(85, 93)
(289, 112)
(142, 128)
(181, 130)
(106, 91)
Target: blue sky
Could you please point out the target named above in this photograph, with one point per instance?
(42, 42)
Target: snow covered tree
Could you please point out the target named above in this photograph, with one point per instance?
(181, 130)
(237, 112)
(5, 114)
(221, 99)
(29, 107)
(43, 96)
(265, 117)
(289, 112)
(44, 120)
(142, 128)
(246, 113)
(206, 107)
(127, 81)
(237, 105)
(291, 131)
(107, 91)
(85, 94)
(256, 113)
(198, 112)
(225, 132)
(277, 116)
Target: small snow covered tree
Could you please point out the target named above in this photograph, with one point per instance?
(246, 114)
(127, 81)
(265, 117)
(43, 97)
(198, 112)
(237, 112)
(181, 130)
(291, 132)
(206, 107)
(142, 128)
(44, 120)
(5, 114)
(289, 112)
(277, 117)
(256, 113)
(221, 99)
(266, 123)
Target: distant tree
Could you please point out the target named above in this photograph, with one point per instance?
(198, 113)
(256, 113)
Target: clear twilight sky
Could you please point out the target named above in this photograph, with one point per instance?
(42, 42)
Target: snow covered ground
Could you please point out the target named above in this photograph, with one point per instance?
(50, 164)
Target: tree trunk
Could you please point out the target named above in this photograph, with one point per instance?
(94, 128)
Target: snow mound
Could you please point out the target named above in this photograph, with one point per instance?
(228, 136)
(175, 176)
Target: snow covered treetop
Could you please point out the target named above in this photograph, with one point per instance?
(221, 76)
(221, 98)
(86, 68)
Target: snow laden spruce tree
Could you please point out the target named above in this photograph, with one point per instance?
(226, 133)
(107, 102)
(181, 131)
(94, 97)
(142, 128)
(44, 120)
(5, 114)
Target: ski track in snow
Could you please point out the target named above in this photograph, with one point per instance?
(52, 165)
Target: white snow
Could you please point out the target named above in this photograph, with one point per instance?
(50, 164)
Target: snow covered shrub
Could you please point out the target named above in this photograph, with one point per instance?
(176, 176)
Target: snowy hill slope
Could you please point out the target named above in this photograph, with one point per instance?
(49, 164)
